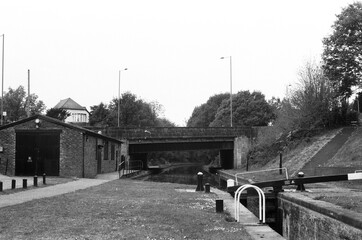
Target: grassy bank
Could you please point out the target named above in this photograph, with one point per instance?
(121, 209)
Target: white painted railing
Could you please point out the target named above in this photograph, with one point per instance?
(267, 170)
(261, 202)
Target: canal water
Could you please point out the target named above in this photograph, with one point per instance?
(184, 175)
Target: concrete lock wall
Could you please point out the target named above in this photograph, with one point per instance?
(305, 218)
(241, 148)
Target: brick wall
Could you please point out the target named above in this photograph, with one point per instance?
(71, 153)
(166, 132)
(90, 160)
(7, 141)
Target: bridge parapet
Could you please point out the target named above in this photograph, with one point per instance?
(179, 132)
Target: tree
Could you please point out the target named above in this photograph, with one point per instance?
(15, 104)
(342, 54)
(249, 109)
(204, 115)
(99, 115)
(35, 106)
(133, 113)
(163, 122)
(57, 113)
(313, 99)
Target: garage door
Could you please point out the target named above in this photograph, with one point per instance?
(37, 153)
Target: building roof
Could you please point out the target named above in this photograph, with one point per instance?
(69, 104)
(56, 121)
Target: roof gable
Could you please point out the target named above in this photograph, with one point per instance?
(69, 104)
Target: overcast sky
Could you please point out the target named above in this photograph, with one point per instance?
(172, 49)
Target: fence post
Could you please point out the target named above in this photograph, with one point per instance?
(280, 163)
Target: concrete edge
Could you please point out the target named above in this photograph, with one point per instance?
(328, 209)
(247, 219)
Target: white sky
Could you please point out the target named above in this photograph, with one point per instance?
(171, 48)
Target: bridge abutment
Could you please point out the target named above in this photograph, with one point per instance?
(241, 149)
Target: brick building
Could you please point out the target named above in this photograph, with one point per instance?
(40, 144)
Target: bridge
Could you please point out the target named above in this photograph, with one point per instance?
(232, 142)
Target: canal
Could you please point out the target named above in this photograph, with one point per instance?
(184, 175)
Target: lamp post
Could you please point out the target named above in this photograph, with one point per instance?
(2, 82)
(119, 92)
(231, 92)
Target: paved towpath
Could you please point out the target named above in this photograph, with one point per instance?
(54, 190)
(328, 151)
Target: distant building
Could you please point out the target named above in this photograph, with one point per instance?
(78, 114)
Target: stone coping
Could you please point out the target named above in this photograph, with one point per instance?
(328, 209)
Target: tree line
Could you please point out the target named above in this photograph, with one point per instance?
(134, 112)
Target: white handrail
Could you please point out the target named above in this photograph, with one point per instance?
(261, 202)
(286, 173)
(119, 165)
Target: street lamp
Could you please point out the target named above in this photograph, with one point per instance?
(119, 91)
(2, 82)
(231, 91)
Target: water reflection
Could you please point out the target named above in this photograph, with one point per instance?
(184, 175)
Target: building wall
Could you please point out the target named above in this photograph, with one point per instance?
(109, 164)
(7, 157)
(90, 160)
(71, 153)
(90, 156)
(77, 116)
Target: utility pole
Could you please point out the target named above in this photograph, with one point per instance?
(28, 98)
(231, 89)
(2, 84)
